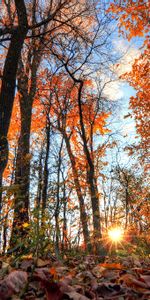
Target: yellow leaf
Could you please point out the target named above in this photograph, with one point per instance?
(25, 225)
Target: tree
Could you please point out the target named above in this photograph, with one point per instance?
(54, 67)
(129, 190)
(27, 85)
(59, 104)
(18, 34)
(43, 34)
(65, 117)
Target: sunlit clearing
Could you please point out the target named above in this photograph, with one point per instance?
(115, 234)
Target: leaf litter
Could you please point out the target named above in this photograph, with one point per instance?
(80, 278)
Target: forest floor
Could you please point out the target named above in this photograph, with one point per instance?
(79, 277)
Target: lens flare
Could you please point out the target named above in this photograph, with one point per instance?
(115, 234)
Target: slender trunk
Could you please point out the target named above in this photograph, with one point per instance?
(115, 211)
(5, 227)
(38, 203)
(64, 241)
(83, 215)
(39, 190)
(126, 208)
(64, 227)
(64, 233)
(46, 172)
(91, 174)
(57, 209)
(105, 211)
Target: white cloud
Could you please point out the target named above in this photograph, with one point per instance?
(115, 89)
(128, 55)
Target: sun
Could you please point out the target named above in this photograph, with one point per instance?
(115, 234)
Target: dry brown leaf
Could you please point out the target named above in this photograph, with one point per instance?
(109, 290)
(110, 274)
(25, 264)
(146, 279)
(42, 263)
(131, 281)
(76, 296)
(13, 284)
(97, 271)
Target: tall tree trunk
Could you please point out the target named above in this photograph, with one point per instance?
(64, 229)
(5, 225)
(126, 207)
(22, 174)
(46, 171)
(83, 215)
(91, 174)
(39, 190)
(64, 235)
(57, 209)
(38, 204)
(9, 82)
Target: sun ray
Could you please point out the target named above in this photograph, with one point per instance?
(115, 234)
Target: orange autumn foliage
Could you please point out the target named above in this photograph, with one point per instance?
(59, 96)
(37, 125)
(132, 16)
(13, 135)
(140, 104)
(133, 21)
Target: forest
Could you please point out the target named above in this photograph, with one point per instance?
(74, 150)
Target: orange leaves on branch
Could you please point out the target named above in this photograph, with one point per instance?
(133, 21)
(138, 78)
(100, 123)
(13, 135)
(132, 17)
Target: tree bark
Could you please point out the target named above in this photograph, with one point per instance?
(57, 209)
(9, 81)
(91, 174)
(83, 215)
(22, 174)
(46, 171)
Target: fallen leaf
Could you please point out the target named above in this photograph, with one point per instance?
(14, 283)
(42, 263)
(26, 264)
(98, 270)
(109, 290)
(146, 279)
(131, 281)
(76, 296)
(5, 265)
(112, 266)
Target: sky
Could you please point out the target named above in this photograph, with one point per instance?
(122, 127)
